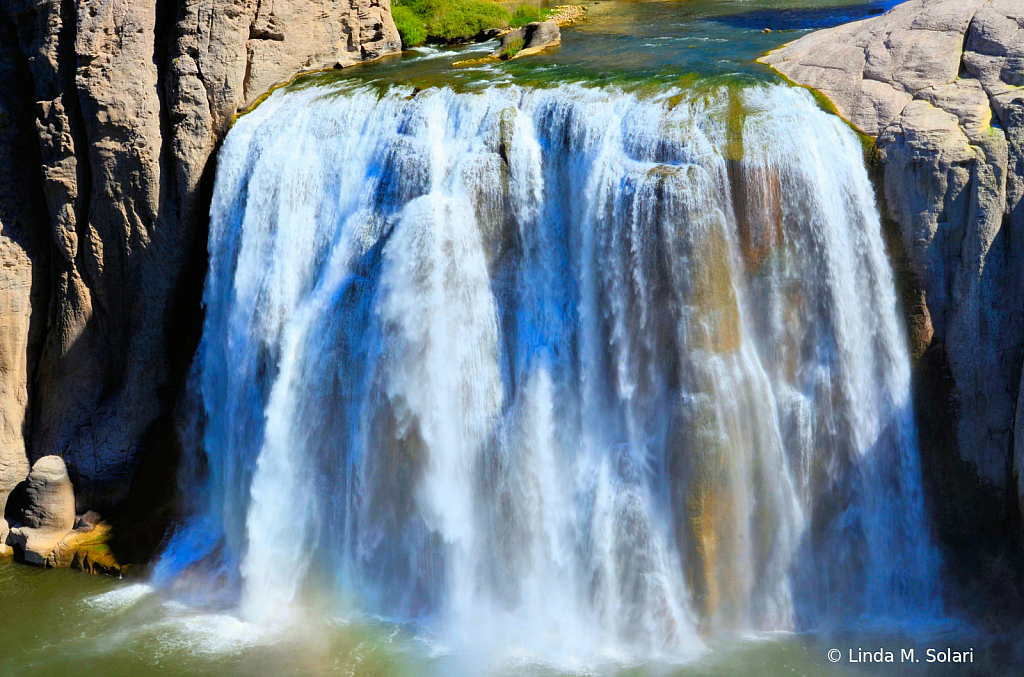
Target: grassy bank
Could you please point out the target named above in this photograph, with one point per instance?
(446, 20)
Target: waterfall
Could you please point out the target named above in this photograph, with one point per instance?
(565, 369)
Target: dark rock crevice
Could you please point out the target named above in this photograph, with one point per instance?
(123, 105)
(25, 265)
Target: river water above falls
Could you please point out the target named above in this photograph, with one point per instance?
(573, 365)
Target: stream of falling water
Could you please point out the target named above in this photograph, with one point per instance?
(573, 370)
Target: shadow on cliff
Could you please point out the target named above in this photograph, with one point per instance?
(983, 562)
(153, 503)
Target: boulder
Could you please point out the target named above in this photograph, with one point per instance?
(86, 547)
(535, 37)
(49, 510)
(49, 496)
(6, 551)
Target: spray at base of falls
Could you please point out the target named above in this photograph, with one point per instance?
(566, 369)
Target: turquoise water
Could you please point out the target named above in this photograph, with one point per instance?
(655, 42)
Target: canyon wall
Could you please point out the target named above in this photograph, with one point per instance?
(110, 115)
(938, 85)
(111, 112)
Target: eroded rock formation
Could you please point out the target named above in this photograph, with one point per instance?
(938, 84)
(532, 38)
(110, 112)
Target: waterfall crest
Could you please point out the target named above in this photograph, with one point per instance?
(568, 369)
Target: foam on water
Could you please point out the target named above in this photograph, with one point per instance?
(119, 599)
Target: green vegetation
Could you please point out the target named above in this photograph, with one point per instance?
(410, 26)
(445, 20)
(512, 48)
(525, 14)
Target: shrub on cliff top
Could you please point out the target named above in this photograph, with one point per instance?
(447, 20)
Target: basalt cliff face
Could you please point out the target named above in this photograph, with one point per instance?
(110, 112)
(938, 85)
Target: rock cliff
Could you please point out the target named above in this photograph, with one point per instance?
(938, 84)
(110, 113)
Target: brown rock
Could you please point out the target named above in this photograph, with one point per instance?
(86, 548)
(23, 259)
(49, 496)
(49, 510)
(6, 551)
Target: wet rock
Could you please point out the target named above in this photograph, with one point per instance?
(49, 510)
(86, 547)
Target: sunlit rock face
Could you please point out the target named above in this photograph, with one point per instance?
(938, 83)
(567, 369)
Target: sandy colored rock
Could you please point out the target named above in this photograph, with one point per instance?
(49, 496)
(85, 548)
(23, 270)
(567, 15)
(15, 330)
(535, 37)
(6, 551)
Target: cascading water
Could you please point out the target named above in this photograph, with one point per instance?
(565, 369)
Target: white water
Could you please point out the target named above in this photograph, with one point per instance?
(558, 371)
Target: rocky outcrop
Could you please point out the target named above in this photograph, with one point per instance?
(6, 551)
(49, 512)
(49, 534)
(938, 84)
(530, 39)
(116, 108)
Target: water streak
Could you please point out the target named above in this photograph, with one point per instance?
(571, 369)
